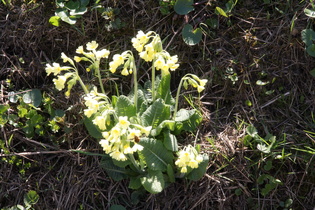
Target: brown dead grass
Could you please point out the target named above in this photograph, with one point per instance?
(67, 180)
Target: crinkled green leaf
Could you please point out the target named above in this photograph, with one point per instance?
(153, 182)
(125, 107)
(198, 173)
(115, 172)
(170, 173)
(187, 120)
(156, 156)
(163, 90)
(156, 113)
(169, 124)
(92, 129)
(134, 183)
(170, 141)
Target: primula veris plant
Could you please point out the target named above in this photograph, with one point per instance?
(138, 131)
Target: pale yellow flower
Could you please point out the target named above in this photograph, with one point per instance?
(55, 69)
(106, 146)
(91, 45)
(102, 54)
(100, 122)
(125, 72)
(148, 54)
(115, 132)
(133, 132)
(77, 59)
(60, 82)
(137, 147)
(146, 130)
(203, 82)
(80, 50)
(127, 149)
(123, 122)
(105, 134)
(183, 170)
(118, 156)
(200, 88)
(159, 63)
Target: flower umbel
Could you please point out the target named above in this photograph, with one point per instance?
(188, 157)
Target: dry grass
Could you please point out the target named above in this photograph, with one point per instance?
(252, 44)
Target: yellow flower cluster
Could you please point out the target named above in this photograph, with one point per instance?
(149, 46)
(125, 58)
(188, 157)
(94, 102)
(120, 140)
(93, 54)
(195, 81)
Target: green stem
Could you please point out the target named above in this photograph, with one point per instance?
(177, 96)
(97, 66)
(135, 83)
(134, 163)
(153, 81)
(81, 82)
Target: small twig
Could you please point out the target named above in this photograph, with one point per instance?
(34, 153)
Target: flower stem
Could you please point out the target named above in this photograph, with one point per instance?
(134, 163)
(153, 81)
(81, 82)
(177, 96)
(135, 83)
(97, 66)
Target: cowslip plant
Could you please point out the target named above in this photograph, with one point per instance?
(138, 131)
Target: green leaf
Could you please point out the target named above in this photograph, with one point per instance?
(4, 108)
(72, 4)
(13, 97)
(156, 113)
(33, 97)
(309, 13)
(170, 124)
(115, 172)
(312, 72)
(170, 141)
(308, 35)
(190, 124)
(55, 20)
(311, 50)
(163, 90)
(134, 183)
(156, 156)
(199, 172)
(92, 129)
(125, 107)
(153, 182)
(191, 36)
(31, 197)
(220, 11)
(64, 15)
(183, 7)
(251, 130)
(170, 173)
